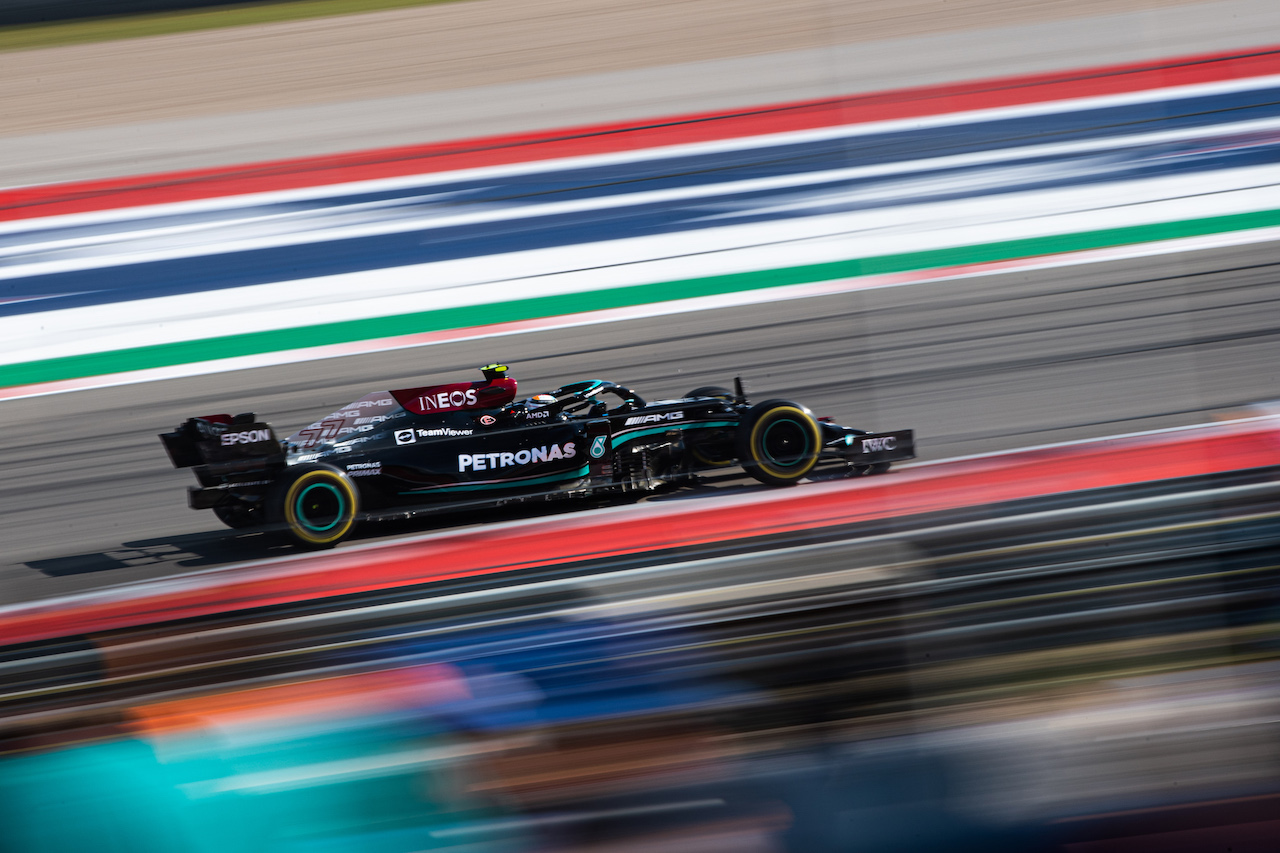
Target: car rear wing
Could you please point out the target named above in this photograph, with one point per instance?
(216, 439)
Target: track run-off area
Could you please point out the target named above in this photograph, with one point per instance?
(996, 265)
(195, 273)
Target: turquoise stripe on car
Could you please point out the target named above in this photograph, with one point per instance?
(624, 437)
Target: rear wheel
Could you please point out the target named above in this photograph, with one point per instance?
(316, 505)
(778, 442)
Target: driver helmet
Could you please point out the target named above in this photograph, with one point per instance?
(541, 400)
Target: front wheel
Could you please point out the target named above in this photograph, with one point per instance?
(778, 442)
(316, 505)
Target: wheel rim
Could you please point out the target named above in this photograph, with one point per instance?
(785, 443)
(320, 507)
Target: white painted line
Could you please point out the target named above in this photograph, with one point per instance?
(583, 268)
(251, 229)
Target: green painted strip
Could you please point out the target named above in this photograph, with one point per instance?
(506, 484)
(187, 352)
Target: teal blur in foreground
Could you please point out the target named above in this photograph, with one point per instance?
(280, 794)
(113, 797)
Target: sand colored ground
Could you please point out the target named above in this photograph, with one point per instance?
(457, 45)
(482, 67)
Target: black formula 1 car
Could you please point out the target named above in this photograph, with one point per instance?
(446, 447)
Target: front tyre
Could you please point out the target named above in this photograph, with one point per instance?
(315, 505)
(778, 442)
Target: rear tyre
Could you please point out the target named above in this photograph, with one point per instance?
(778, 442)
(315, 505)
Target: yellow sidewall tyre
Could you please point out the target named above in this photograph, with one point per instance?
(778, 442)
(315, 505)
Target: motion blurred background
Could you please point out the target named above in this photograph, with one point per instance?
(1090, 665)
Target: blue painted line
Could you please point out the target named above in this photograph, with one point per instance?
(227, 271)
(776, 160)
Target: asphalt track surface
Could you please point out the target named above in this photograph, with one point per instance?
(973, 365)
(88, 498)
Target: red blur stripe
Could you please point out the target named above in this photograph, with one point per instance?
(1209, 449)
(58, 199)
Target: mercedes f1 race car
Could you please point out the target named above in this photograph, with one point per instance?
(466, 444)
